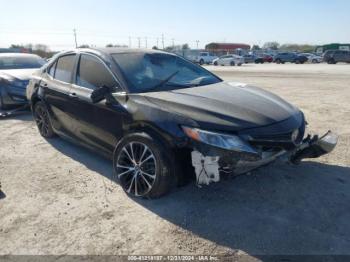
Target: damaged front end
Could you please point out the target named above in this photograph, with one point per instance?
(215, 154)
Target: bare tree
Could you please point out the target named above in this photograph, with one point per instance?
(271, 45)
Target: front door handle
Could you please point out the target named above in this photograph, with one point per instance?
(73, 95)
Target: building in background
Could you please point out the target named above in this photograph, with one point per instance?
(335, 46)
(227, 48)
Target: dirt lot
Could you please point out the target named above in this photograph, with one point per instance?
(59, 199)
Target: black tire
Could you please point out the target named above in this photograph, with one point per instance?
(232, 63)
(41, 116)
(314, 61)
(2, 105)
(331, 61)
(278, 61)
(201, 62)
(146, 174)
(215, 63)
(297, 61)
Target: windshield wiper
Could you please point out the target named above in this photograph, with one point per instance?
(163, 82)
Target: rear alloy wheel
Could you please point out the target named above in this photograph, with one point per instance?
(42, 120)
(232, 63)
(314, 61)
(278, 61)
(142, 167)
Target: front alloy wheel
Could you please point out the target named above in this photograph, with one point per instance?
(136, 168)
(142, 166)
(42, 120)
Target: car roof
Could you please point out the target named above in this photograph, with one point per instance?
(116, 50)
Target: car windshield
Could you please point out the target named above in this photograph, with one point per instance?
(146, 72)
(20, 62)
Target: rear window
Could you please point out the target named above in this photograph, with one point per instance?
(20, 62)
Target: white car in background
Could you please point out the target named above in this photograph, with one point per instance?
(204, 58)
(230, 60)
(312, 58)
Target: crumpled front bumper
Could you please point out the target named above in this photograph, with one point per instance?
(311, 147)
(206, 165)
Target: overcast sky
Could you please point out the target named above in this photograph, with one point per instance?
(99, 22)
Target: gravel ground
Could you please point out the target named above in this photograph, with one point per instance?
(58, 198)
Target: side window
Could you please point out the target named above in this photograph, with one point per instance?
(51, 70)
(93, 74)
(64, 68)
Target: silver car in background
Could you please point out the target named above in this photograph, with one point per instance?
(312, 58)
(229, 60)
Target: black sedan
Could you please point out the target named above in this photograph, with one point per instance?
(15, 72)
(155, 114)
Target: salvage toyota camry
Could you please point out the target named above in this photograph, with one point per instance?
(153, 112)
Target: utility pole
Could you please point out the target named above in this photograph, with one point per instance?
(129, 41)
(139, 38)
(163, 40)
(157, 42)
(197, 41)
(173, 40)
(146, 41)
(75, 37)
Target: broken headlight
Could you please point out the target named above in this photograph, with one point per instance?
(229, 142)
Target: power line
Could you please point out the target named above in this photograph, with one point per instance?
(139, 39)
(163, 40)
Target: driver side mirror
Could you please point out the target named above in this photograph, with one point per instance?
(99, 94)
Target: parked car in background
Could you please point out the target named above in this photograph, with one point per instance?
(15, 72)
(155, 113)
(259, 60)
(312, 58)
(249, 58)
(204, 58)
(229, 60)
(290, 57)
(267, 58)
(335, 56)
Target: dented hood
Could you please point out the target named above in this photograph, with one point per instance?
(225, 106)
